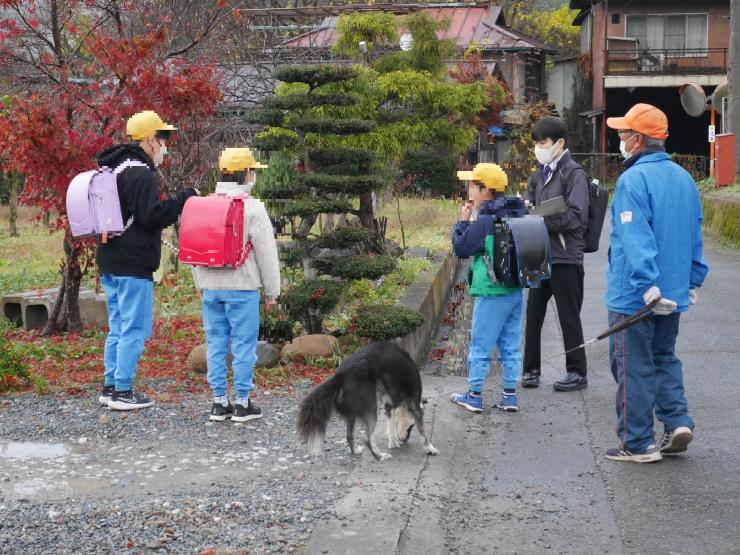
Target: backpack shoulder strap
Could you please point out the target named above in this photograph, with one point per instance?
(128, 164)
(118, 169)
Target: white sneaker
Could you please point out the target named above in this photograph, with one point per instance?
(676, 441)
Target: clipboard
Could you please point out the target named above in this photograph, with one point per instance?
(550, 207)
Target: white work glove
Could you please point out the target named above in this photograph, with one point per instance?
(664, 306)
(692, 296)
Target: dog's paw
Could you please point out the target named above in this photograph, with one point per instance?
(357, 450)
(385, 456)
(431, 450)
(393, 444)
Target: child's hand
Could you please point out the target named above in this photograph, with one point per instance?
(466, 211)
(270, 304)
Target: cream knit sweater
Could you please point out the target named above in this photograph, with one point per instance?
(262, 268)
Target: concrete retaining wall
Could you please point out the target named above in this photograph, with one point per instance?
(428, 295)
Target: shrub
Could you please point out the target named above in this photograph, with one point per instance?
(346, 184)
(323, 294)
(430, 171)
(14, 370)
(344, 237)
(314, 75)
(266, 117)
(325, 126)
(302, 101)
(275, 138)
(335, 156)
(383, 322)
(358, 267)
(308, 207)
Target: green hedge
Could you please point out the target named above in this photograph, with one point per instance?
(314, 75)
(383, 322)
(358, 267)
(722, 215)
(344, 237)
(303, 101)
(323, 294)
(275, 138)
(325, 126)
(338, 156)
(266, 117)
(347, 184)
(308, 207)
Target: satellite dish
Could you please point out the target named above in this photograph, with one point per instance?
(693, 99)
(719, 93)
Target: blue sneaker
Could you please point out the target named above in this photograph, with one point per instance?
(470, 402)
(508, 402)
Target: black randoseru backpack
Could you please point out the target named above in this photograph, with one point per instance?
(597, 206)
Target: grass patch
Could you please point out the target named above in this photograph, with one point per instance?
(426, 222)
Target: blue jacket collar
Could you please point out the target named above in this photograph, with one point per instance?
(646, 152)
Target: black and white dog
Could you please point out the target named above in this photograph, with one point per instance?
(377, 372)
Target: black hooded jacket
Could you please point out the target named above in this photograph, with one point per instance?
(136, 253)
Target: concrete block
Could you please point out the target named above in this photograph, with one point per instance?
(31, 309)
(428, 295)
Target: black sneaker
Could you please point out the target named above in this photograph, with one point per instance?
(676, 441)
(106, 394)
(244, 414)
(531, 379)
(651, 454)
(220, 412)
(128, 400)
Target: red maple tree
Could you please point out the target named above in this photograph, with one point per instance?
(77, 70)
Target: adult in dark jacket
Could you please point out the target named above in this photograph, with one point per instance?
(558, 175)
(128, 261)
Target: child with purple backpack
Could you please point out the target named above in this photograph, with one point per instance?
(128, 260)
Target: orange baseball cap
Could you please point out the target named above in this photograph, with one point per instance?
(643, 118)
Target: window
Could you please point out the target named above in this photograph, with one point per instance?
(669, 32)
(615, 19)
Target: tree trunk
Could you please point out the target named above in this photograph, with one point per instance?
(65, 314)
(13, 210)
(367, 213)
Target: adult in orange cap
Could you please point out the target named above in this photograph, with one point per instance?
(655, 256)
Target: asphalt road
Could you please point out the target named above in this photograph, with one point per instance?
(537, 481)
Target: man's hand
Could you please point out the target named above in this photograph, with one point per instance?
(270, 303)
(466, 211)
(664, 306)
(692, 296)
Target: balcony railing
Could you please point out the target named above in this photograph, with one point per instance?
(667, 61)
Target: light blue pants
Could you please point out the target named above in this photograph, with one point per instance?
(231, 316)
(496, 321)
(130, 311)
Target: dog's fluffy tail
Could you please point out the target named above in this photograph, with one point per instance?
(315, 412)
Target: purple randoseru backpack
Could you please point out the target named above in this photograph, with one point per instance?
(93, 208)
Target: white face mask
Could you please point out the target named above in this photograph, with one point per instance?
(623, 148)
(159, 157)
(546, 155)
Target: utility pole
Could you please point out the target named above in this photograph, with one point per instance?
(733, 78)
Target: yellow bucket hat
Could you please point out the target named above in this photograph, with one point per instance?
(234, 160)
(142, 124)
(490, 175)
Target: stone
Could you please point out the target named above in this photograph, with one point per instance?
(417, 252)
(393, 248)
(317, 345)
(197, 359)
(267, 354)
